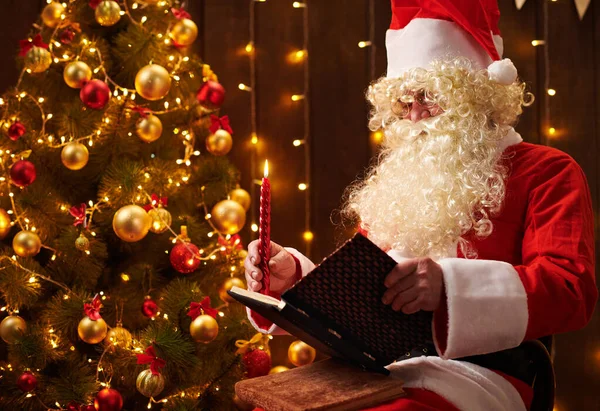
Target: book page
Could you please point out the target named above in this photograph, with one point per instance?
(258, 297)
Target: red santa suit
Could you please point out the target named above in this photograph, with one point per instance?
(533, 276)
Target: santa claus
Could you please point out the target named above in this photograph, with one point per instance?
(492, 234)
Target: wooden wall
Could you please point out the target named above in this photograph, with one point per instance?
(339, 77)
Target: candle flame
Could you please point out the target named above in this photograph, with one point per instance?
(266, 168)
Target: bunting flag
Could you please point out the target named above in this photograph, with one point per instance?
(580, 5)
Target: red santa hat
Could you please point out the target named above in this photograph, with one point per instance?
(426, 30)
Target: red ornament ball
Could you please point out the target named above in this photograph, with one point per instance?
(73, 406)
(184, 257)
(211, 95)
(95, 94)
(67, 36)
(149, 308)
(27, 382)
(23, 173)
(88, 408)
(257, 362)
(16, 130)
(108, 400)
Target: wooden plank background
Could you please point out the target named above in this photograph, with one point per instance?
(339, 77)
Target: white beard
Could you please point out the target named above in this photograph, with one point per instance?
(429, 188)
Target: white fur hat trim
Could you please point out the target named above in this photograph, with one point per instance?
(503, 72)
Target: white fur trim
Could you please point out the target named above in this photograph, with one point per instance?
(307, 266)
(510, 139)
(487, 307)
(503, 72)
(467, 386)
(425, 40)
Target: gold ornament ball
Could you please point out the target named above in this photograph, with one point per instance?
(227, 285)
(108, 13)
(220, 143)
(148, 384)
(51, 14)
(27, 244)
(74, 156)
(12, 329)
(161, 220)
(184, 32)
(153, 82)
(301, 353)
(278, 369)
(4, 224)
(90, 331)
(149, 129)
(37, 59)
(228, 217)
(76, 74)
(131, 223)
(82, 243)
(118, 337)
(239, 195)
(204, 329)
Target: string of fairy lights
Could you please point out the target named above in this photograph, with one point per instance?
(299, 56)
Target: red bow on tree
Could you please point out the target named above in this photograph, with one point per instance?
(79, 213)
(235, 242)
(156, 201)
(218, 123)
(27, 45)
(151, 358)
(142, 111)
(196, 309)
(94, 3)
(180, 14)
(93, 310)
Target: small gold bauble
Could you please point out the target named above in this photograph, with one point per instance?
(27, 244)
(12, 329)
(148, 384)
(161, 220)
(228, 217)
(37, 59)
(227, 285)
(131, 223)
(149, 129)
(82, 243)
(75, 156)
(4, 224)
(90, 331)
(51, 14)
(76, 74)
(204, 329)
(153, 82)
(301, 353)
(220, 143)
(239, 195)
(108, 13)
(278, 369)
(118, 337)
(184, 32)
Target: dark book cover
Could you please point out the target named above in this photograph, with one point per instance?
(338, 304)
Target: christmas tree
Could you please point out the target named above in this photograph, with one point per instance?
(119, 230)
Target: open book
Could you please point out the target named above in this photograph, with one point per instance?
(337, 309)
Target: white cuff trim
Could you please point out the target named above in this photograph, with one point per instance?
(487, 307)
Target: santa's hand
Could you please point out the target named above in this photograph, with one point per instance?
(281, 265)
(413, 285)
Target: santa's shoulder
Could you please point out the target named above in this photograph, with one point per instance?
(540, 163)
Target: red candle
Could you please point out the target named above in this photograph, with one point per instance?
(264, 247)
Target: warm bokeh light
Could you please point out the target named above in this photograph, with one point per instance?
(297, 97)
(363, 44)
(536, 43)
(302, 186)
(249, 47)
(551, 131)
(298, 143)
(308, 236)
(254, 139)
(377, 137)
(254, 227)
(244, 87)
(551, 92)
(298, 5)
